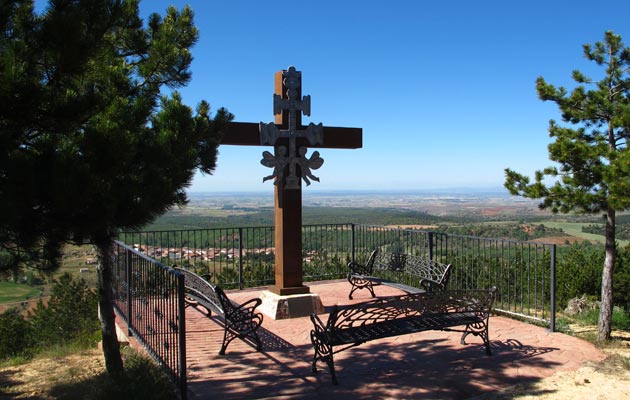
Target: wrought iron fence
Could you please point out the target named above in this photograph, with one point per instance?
(244, 257)
(391, 240)
(524, 272)
(149, 297)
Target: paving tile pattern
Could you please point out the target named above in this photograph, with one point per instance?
(427, 365)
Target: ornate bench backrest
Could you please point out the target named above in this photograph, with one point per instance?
(425, 268)
(475, 301)
(478, 302)
(373, 311)
(390, 261)
(420, 266)
(203, 291)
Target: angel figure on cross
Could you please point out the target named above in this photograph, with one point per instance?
(277, 162)
(306, 164)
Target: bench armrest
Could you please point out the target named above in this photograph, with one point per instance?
(318, 325)
(430, 285)
(247, 307)
(321, 329)
(359, 269)
(244, 317)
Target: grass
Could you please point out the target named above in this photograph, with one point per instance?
(590, 317)
(620, 319)
(76, 370)
(74, 373)
(584, 325)
(74, 262)
(13, 292)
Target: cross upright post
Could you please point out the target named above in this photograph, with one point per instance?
(286, 135)
(290, 166)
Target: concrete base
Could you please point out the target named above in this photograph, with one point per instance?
(277, 307)
(123, 339)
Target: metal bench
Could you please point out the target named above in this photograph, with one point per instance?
(352, 325)
(240, 321)
(431, 275)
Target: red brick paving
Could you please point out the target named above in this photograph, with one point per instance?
(428, 365)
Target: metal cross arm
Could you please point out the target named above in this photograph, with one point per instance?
(248, 134)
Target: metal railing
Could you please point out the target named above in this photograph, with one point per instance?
(392, 240)
(524, 272)
(244, 257)
(149, 297)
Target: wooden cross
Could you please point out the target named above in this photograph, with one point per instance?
(290, 139)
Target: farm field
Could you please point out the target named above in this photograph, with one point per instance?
(78, 261)
(575, 229)
(16, 293)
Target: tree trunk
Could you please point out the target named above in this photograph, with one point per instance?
(111, 347)
(604, 325)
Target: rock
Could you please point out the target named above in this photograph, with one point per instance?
(576, 305)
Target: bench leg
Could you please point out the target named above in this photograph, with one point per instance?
(370, 287)
(256, 339)
(227, 338)
(323, 352)
(333, 375)
(242, 326)
(362, 284)
(352, 291)
(479, 329)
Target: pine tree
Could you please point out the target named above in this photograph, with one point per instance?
(89, 144)
(592, 175)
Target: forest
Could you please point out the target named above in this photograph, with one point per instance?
(507, 228)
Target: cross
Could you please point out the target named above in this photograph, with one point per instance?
(291, 166)
(270, 135)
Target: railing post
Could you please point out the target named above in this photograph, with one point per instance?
(240, 258)
(352, 245)
(552, 319)
(128, 264)
(182, 336)
(430, 240)
(445, 249)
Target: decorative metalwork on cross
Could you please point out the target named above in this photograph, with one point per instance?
(293, 157)
(290, 166)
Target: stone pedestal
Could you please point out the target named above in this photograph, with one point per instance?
(278, 306)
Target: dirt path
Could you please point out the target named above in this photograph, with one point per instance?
(606, 380)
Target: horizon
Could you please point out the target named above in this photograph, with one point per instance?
(445, 190)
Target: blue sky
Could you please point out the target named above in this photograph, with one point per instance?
(444, 90)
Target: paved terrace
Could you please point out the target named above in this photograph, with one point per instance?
(428, 365)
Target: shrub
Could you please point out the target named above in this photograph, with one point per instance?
(621, 279)
(69, 316)
(15, 334)
(142, 379)
(579, 272)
